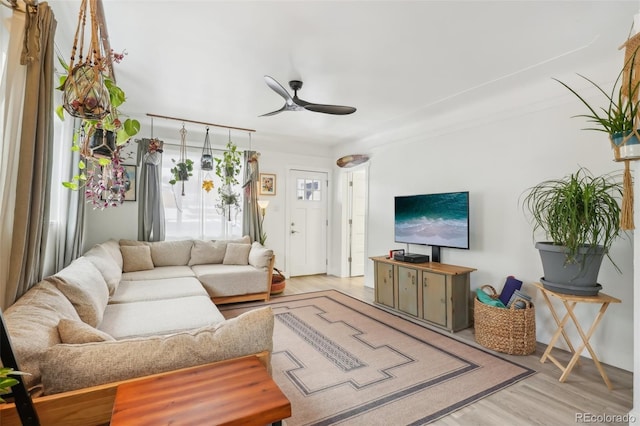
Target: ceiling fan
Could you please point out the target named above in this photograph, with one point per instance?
(296, 104)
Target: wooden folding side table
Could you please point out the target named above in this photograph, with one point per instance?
(570, 301)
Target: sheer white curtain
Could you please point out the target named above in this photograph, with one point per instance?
(12, 92)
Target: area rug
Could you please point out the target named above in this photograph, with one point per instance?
(343, 361)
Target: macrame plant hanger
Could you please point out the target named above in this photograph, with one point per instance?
(206, 163)
(183, 173)
(85, 94)
(630, 79)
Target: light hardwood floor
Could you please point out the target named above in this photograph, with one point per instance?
(538, 400)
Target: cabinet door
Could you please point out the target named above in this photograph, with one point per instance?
(434, 298)
(384, 284)
(408, 290)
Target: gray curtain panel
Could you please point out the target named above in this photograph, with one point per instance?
(150, 205)
(251, 223)
(31, 214)
(70, 239)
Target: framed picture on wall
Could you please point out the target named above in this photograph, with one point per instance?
(267, 184)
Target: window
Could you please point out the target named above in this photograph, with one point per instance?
(195, 214)
(309, 190)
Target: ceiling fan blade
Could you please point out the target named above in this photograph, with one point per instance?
(284, 108)
(277, 87)
(330, 109)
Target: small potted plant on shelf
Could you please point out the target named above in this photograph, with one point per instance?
(619, 117)
(580, 214)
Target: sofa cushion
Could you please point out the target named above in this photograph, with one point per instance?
(166, 288)
(113, 248)
(159, 317)
(79, 332)
(159, 273)
(232, 280)
(136, 258)
(82, 283)
(259, 255)
(98, 363)
(109, 268)
(207, 252)
(32, 324)
(171, 253)
(236, 254)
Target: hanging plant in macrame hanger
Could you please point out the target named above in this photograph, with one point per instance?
(84, 93)
(183, 167)
(206, 161)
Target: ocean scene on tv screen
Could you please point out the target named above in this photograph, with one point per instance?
(433, 219)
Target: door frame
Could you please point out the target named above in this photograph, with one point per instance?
(345, 213)
(289, 203)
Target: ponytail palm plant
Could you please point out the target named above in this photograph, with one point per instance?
(577, 211)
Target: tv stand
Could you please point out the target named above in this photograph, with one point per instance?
(432, 292)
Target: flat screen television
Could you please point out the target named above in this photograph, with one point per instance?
(436, 220)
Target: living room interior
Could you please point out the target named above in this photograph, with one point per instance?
(449, 96)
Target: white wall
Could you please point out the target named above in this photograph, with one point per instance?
(497, 150)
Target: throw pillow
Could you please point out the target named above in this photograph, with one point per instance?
(207, 252)
(77, 332)
(259, 255)
(136, 258)
(171, 253)
(82, 283)
(237, 254)
(488, 300)
(110, 270)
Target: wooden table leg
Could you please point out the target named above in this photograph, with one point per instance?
(585, 344)
(559, 330)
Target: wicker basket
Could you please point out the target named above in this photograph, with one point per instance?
(278, 282)
(512, 331)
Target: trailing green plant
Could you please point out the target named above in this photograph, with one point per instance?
(6, 381)
(576, 211)
(181, 171)
(228, 167)
(620, 114)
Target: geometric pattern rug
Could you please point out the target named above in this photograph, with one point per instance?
(343, 361)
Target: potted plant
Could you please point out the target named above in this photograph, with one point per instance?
(618, 118)
(6, 381)
(181, 171)
(580, 214)
(228, 169)
(99, 142)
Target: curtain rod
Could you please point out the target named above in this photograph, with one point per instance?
(200, 122)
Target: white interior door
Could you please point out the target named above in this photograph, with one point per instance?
(308, 225)
(357, 201)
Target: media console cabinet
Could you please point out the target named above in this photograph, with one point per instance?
(433, 292)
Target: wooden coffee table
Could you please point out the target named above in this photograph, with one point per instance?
(233, 392)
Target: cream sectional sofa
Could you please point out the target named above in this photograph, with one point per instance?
(129, 309)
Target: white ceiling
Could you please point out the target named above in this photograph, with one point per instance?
(395, 61)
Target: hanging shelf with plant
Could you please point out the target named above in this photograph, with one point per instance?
(620, 119)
